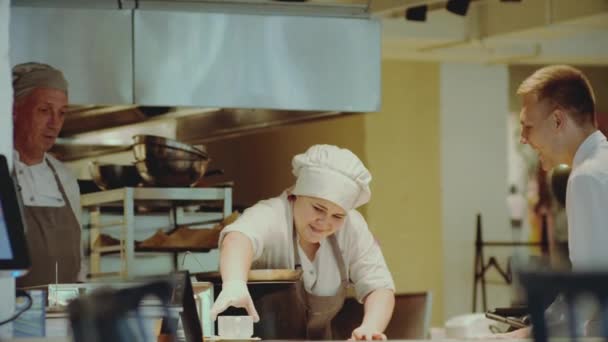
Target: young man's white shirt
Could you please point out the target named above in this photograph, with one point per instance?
(587, 204)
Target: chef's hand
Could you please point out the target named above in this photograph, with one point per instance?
(234, 293)
(364, 333)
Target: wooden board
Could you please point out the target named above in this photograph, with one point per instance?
(255, 276)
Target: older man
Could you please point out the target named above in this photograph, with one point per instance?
(50, 192)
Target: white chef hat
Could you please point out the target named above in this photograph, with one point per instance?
(28, 76)
(334, 174)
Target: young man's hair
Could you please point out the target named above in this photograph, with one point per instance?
(566, 87)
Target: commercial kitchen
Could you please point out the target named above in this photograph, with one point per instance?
(402, 126)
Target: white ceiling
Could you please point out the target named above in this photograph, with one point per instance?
(526, 32)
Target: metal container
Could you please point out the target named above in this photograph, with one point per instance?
(171, 172)
(150, 146)
(113, 176)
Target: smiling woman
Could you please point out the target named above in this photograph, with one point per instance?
(313, 226)
(314, 220)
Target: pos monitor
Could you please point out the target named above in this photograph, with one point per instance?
(14, 256)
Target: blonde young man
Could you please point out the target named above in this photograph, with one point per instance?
(558, 121)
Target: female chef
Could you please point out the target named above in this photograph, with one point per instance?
(313, 226)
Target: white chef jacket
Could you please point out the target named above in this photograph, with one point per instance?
(38, 188)
(587, 204)
(266, 224)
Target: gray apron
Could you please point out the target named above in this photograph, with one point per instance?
(293, 313)
(53, 236)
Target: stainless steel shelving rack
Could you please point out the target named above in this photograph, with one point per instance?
(170, 198)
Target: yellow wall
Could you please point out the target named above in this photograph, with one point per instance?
(260, 164)
(402, 149)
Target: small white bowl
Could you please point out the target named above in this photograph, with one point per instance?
(235, 326)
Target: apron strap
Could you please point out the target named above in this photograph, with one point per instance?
(59, 185)
(339, 258)
(294, 234)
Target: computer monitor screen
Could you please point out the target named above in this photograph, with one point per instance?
(6, 251)
(14, 256)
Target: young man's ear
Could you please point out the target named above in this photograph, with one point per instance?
(559, 117)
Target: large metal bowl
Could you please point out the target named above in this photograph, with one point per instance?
(152, 151)
(171, 172)
(113, 176)
(150, 146)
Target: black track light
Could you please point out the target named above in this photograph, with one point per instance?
(416, 13)
(459, 7)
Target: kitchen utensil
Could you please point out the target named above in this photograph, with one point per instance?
(113, 176)
(87, 186)
(171, 172)
(150, 146)
(234, 327)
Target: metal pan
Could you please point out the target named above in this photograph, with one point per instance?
(113, 176)
(166, 148)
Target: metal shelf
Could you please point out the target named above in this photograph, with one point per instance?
(167, 196)
(108, 250)
(172, 199)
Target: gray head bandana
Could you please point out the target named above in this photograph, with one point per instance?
(28, 76)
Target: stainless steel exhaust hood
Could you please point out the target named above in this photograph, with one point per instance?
(170, 72)
(172, 58)
(317, 8)
(250, 61)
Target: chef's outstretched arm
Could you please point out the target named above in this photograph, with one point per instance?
(378, 306)
(236, 254)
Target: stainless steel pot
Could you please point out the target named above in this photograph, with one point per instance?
(171, 172)
(113, 176)
(150, 146)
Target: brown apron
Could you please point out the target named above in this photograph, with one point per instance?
(292, 312)
(53, 237)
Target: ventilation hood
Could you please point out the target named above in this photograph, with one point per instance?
(168, 58)
(318, 8)
(199, 70)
